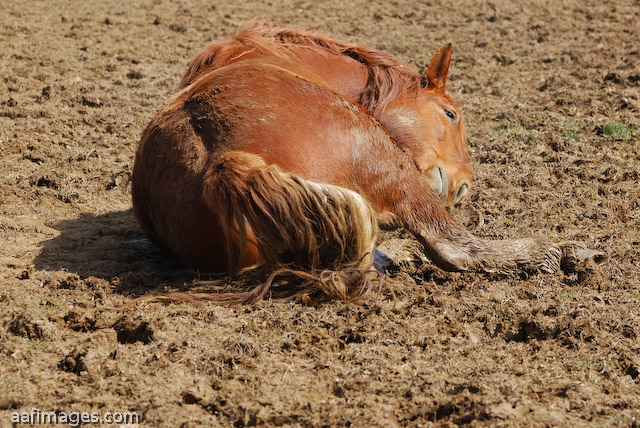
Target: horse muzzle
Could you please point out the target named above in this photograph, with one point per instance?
(450, 190)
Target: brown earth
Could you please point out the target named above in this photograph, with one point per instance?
(550, 91)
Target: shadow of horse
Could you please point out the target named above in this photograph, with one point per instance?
(111, 246)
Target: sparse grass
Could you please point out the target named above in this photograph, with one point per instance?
(509, 129)
(39, 345)
(571, 130)
(626, 132)
(571, 134)
(499, 88)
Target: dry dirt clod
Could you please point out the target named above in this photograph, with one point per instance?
(132, 330)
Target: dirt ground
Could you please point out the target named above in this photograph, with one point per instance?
(550, 91)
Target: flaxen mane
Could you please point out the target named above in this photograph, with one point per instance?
(388, 77)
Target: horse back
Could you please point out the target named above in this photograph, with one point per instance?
(340, 72)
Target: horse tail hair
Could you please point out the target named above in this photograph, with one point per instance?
(322, 235)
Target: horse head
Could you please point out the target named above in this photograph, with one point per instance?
(427, 124)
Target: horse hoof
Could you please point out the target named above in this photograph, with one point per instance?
(574, 253)
(381, 261)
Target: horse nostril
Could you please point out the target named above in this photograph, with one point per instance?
(463, 189)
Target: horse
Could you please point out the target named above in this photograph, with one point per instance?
(421, 118)
(262, 162)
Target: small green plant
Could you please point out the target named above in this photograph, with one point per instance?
(626, 132)
(510, 129)
(571, 130)
(571, 134)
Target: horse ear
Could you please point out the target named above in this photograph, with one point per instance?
(439, 67)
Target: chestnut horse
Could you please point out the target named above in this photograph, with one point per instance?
(414, 109)
(262, 162)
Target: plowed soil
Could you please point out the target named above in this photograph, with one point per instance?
(550, 91)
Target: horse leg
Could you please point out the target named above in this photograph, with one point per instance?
(288, 219)
(394, 186)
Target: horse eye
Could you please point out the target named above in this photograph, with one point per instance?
(450, 115)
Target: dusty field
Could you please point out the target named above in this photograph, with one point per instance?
(551, 97)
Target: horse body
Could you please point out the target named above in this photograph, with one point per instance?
(250, 110)
(421, 118)
(211, 161)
